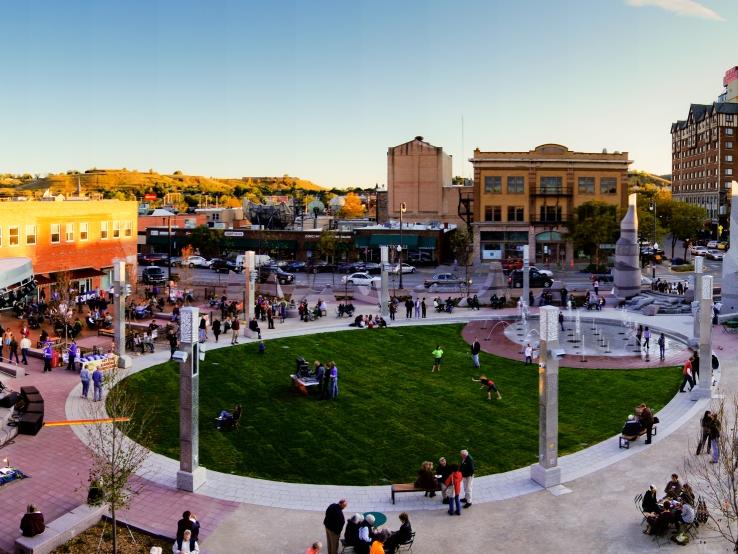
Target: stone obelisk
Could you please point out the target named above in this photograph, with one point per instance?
(729, 287)
(120, 291)
(384, 286)
(249, 271)
(703, 388)
(627, 271)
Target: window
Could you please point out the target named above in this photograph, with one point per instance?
(69, 232)
(492, 213)
(13, 236)
(493, 184)
(516, 185)
(515, 213)
(728, 158)
(116, 229)
(83, 231)
(55, 233)
(103, 230)
(729, 131)
(608, 185)
(586, 185)
(728, 171)
(30, 234)
(551, 214)
(551, 184)
(728, 144)
(128, 228)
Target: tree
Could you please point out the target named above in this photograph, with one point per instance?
(594, 223)
(685, 222)
(327, 245)
(119, 449)
(352, 207)
(208, 241)
(462, 244)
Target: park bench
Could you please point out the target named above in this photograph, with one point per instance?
(625, 440)
(398, 488)
(13, 370)
(61, 530)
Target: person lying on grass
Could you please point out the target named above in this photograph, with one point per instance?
(484, 381)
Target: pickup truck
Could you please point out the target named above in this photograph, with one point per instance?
(442, 279)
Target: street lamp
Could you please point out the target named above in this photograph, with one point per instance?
(652, 207)
(169, 260)
(403, 209)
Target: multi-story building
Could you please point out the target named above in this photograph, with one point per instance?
(419, 174)
(703, 152)
(79, 238)
(528, 198)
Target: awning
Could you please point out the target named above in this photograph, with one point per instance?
(427, 242)
(361, 241)
(14, 271)
(407, 240)
(42, 279)
(83, 273)
(549, 236)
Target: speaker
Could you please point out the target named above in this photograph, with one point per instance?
(28, 390)
(9, 399)
(30, 424)
(35, 408)
(32, 398)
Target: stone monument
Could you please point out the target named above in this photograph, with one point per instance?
(729, 287)
(120, 291)
(627, 271)
(190, 476)
(526, 275)
(249, 271)
(704, 387)
(546, 472)
(384, 289)
(694, 340)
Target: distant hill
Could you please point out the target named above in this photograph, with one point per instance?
(642, 178)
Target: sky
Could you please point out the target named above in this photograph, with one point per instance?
(321, 88)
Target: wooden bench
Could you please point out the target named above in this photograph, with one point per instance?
(625, 441)
(398, 488)
(61, 530)
(12, 370)
(106, 333)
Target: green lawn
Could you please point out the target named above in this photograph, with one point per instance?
(392, 412)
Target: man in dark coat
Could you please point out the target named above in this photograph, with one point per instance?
(333, 523)
(188, 521)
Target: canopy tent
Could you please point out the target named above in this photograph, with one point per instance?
(14, 271)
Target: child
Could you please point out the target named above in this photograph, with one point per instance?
(490, 384)
(453, 484)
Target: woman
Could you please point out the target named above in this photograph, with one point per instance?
(650, 504)
(687, 494)
(216, 329)
(427, 479)
(705, 438)
(186, 545)
(32, 522)
(203, 330)
(453, 484)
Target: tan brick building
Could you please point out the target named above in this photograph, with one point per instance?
(528, 197)
(419, 174)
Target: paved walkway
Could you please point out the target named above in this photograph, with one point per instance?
(247, 515)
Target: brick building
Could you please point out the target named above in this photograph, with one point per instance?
(528, 197)
(80, 238)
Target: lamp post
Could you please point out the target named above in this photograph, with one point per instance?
(652, 207)
(403, 209)
(376, 202)
(169, 254)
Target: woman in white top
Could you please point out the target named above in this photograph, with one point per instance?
(187, 545)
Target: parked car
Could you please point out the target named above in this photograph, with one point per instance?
(350, 267)
(293, 267)
(723, 245)
(698, 250)
(372, 268)
(443, 279)
(363, 279)
(195, 261)
(537, 279)
(221, 265)
(321, 266)
(268, 272)
(712, 244)
(715, 254)
(153, 259)
(153, 275)
(546, 272)
(406, 268)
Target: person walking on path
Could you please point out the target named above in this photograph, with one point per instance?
(417, 308)
(596, 287)
(333, 522)
(695, 368)
(467, 473)
(97, 379)
(561, 320)
(490, 384)
(25, 345)
(235, 326)
(409, 308)
(84, 376)
(662, 347)
(392, 310)
(437, 359)
(714, 438)
(13, 348)
(476, 347)
(423, 308)
(203, 330)
(72, 354)
(639, 334)
(646, 338)
(705, 423)
(687, 373)
(47, 357)
(528, 354)
(216, 328)
(453, 486)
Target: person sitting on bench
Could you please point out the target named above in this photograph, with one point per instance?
(254, 327)
(229, 419)
(632, 427)
(32, 522)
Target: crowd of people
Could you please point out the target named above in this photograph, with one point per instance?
(675, 508)
(448, 478)
(670, 287)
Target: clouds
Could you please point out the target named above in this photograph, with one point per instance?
(687, 8)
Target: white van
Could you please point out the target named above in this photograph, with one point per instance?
(259, 260)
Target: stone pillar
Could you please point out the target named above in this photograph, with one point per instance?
(190, 476)
(546, 472)
(384, 289)
(120, 290)
(704, 387)
(526, 274)
(729, 286)
(627, 270)
(532, 245)
(249, 271)
(697, 288)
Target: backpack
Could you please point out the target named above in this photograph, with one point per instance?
(702, 514)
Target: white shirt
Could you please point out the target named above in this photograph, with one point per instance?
(528, 352)
(364, 534)
(25, 343)
(687, 513)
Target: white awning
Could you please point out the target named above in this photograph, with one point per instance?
(14, 271)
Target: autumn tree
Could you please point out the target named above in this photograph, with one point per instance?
(352, 207)
(594, 223)
(685, 222)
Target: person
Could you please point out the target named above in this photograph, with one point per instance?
(437, 359)
(686, 513)
(673, 487)
(47, 357)
(528, 354)
(467, 472)
(72, 354)
(188, 523)
(662, 347)
(97, 379)
(687, 494)
(333, 523)
(645, 417)
(484, 381)
(596, 287)
(632, 427)
(403, 535)
(262, 347)
(351, 534)
(639, 334)
(84, 376)
(216, 328)
(650, 503)
(172, 338)
(316, 548)
(476, 347)
(658, 522)
(453, 486)
(646, 338)
(561, 320)
(235, 327)
(254, 327)
(25, 345)
(426, 479)
(695, 368)
(32, 522)
(392, 310)
(714, 438)
(227, 417)
(377, 545)
(442, 472)
(417, 308)
(186, 545)
(705, 438)
(333, 381)
(687, 374)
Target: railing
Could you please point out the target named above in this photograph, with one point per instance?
(550, 220)
(552, 191)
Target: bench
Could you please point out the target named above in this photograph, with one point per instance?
(106, 333)
(61, 530)
(625, 440)
(398, 488)
(12, 370)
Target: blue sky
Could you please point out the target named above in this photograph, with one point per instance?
(320, 89)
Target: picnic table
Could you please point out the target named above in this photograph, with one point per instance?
(302, 384)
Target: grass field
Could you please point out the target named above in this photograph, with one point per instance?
(392, 412)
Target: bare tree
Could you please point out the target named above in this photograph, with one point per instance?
(119, 448)
(717, 483)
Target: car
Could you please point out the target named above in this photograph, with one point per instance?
(712, 244)
(268, 273)
(546, 272)
(154, 259)
(321, 266)
(221, 265)
(715, 254)
(362, 279)
(443, 279)
(293, 266)
(723, 245)
(195, 261)
(350, 267)
(372, 268)
(698, 250)
(153, 275)
(537, 279)
(406, 268)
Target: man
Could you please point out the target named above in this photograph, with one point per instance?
(25, 344)
(188, 523)
(84, 377)
(254, 327)
(401, 536)
(673, 487)
(647, 338)
(596, 287)
(333, 523)
(172, 338)
(423, 308)
(528, 354)
(437, 359)
(417, 308)
(695, 367)
(646, 420)
(476, 347)
(97, 379)
(632, 427)
(564, 295)
(444, 470)
(71, 366)
(409, 308)
(687, 374)
(561, 320)
(235, 326)
(662, 346)
(467, 474)
(47, 356)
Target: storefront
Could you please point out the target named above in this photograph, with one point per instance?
(550, 248)
(502, 245)
(417, 248)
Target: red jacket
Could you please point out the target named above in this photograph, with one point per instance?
(455, 480)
